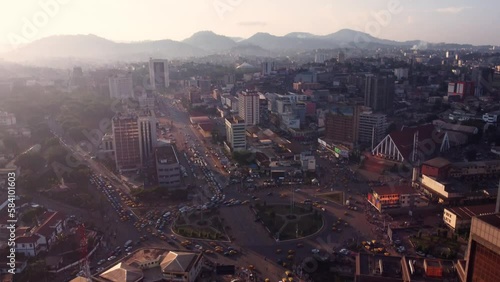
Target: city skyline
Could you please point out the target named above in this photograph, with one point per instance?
(28, 21)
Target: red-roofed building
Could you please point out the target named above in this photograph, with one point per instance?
(436, 167)
(459, 218)
(412, 143)
(386, 197)
(206, 128)
(52, 224)
(28, 245)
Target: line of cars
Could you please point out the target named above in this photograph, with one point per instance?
(113, 195)
(154, 222)
(213, 185)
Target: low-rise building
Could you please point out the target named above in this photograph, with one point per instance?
(155, 265)
(412, 143)
(181, 266)
(380, 268)
(387, 197)
(43, 236)
(28, 245)
(458, 219)
(122, 272)
(443, 180)
(7, 119)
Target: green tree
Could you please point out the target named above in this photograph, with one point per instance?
(10, 144)
(32, 161)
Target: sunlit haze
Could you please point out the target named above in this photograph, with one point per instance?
(460, 21)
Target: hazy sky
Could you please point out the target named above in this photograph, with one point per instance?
(459, 21)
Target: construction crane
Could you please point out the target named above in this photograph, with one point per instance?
(84, 263)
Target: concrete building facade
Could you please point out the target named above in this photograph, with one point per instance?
(483, 255)
(235, 134)
(126, 142)
(159, 76)
(372, 128)
(379, 93)
(341, 125)
(147, 135)
(168, 169)
(249, 107)
(121, 87)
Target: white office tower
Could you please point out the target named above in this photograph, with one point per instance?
(372, 128)
(120, 87)
(248, 107)
(236, 139)
(158, 74)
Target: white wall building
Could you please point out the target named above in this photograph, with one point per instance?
(168, 168)
(7, 119)
(120, 87)
(146, 102)
(399, 73)
(236, 139)
(372, 127)
(320, 58)
(248, 107)
(491, 117)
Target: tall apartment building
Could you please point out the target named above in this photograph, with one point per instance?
(341, 57)
(194, 95)
(461, 89)
(248, 108)
(483, 256)
(379, 93)
(159, 76)
(126, 142)
(147, 135)
(320, 58)
(341, 125)
(401, 73)
(120, 87)
(168, 170)
(372, 128)
(236, 139)
(267, 68)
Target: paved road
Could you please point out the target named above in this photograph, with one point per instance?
(251, 238)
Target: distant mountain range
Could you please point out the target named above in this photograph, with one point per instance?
(202, 43)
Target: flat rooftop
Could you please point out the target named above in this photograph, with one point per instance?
(492, 219)
(166, 155)
(389, 190)
(417, 271)
(437, 162)
(467, 212)
(478, 163)
(236, 120)
(369, 265)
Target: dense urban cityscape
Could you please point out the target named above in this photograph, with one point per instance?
(283, 158)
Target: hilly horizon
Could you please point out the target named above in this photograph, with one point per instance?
(201, 43)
